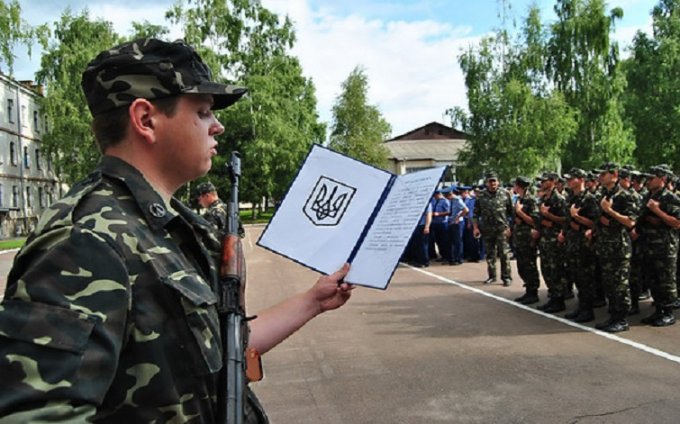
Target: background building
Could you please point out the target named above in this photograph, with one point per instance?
(27, 181)
(431, 145)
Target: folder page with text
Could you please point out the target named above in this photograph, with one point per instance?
(341, 210)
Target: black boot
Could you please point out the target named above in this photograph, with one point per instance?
(545, 305)
(531, 296)
(584, 315)
(616, 323)
(634, 307)
(665, 318)
(650, 319)
(573, 314)
(557, 305)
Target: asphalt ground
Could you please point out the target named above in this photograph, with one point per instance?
(438, 346)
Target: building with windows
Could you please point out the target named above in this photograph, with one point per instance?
(28, 184)
(431, 145)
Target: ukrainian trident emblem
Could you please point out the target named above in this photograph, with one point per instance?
(328, 202)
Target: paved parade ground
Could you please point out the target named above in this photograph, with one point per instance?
(438, 346)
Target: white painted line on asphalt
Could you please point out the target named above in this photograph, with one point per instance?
(2, 252)
(613, 337)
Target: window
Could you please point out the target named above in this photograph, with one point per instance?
(10, 110)
(49, 162)
(29, 200)
(27, 159)
(1, 193)
(15, 196)
(13, 153)
(49, 197)
(41, 201)
(23, 116)
(36, 123)
(37, 159)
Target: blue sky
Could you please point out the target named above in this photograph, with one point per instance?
(408, 48)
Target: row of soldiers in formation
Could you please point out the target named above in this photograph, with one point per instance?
(612, 233)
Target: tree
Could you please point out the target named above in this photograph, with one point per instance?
(653, 94)
(69, 141)
(583, 63)
(275, 126)
(14, 30)
(359, 129)
(516, 124)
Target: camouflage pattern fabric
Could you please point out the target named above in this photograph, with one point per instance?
(580, 255)
(659, 246)
(109, 313)
(151, 69)
(526, 250)
(492, 213)
(552, 252)
(217, 215)
(614, 249)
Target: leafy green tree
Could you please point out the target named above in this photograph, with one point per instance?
(516, 124)
(274, 127)
(653, 94)
(359, 129)
(583, 63)
(13, 31)
(69, 140)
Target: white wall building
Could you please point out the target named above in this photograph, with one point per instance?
(28, 183)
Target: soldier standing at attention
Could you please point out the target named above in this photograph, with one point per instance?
(526, 251)
(658, 229)
(626, 178)
(493, 210)
(216, 209)
(110, 311)
(583, 211)
(613, 246)
(553, 216)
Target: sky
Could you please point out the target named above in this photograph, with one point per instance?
(408, 49)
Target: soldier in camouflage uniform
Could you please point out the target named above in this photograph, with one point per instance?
(626, 177)
(526, 251)
(657, 228)
(613, 246)
(109, 313)
(492, 212)
(553, 216)
(583, 211)
(216, 209)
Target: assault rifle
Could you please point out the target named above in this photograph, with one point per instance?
(233, 391)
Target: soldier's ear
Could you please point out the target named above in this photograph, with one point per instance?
(141, 114)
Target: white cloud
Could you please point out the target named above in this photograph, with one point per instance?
(412, 67)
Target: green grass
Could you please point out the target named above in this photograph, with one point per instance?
(262, 217)
(12, 243)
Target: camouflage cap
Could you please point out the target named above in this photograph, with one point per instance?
(491, 175)
(522, 181)
(662, 170)
(204, 188)
(607, 167)
(549, 176)
(575, 173)
(151, 69)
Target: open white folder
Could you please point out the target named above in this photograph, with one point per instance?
(341, 210)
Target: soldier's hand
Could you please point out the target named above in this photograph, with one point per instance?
(606, 204)
(476, 233)
(508, 233)
(653, 205)
(544, 209)
(331, 292)
(535, 234)
(589, 234)
(634, 234)
(574, 210)
(519, 207)
(560, 237)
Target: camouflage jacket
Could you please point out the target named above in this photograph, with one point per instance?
(656, 238)
(557, 205)
(493, 210)
(217, 215)
(109, 313)
(614, 239)
(588, 206)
